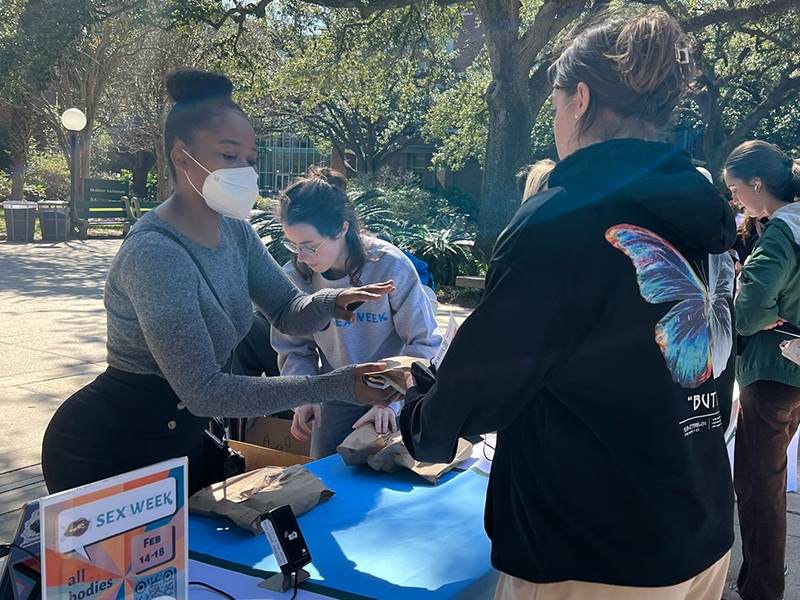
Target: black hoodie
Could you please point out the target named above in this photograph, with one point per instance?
(590, 356)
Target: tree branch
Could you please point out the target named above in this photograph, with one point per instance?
(552, 18)
(737, 15)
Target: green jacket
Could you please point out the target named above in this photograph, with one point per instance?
(770, 287)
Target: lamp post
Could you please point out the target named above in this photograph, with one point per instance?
(74, 121)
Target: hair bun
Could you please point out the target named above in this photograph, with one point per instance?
(329, 176)
(190, 85)
(646, 54)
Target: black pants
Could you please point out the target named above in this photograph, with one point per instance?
(770, 413)
(118, 423)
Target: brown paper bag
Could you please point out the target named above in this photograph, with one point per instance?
(393, 375)
(433, 471)
(360, 445)
(387, 453)
(385, 459)
(244, 498)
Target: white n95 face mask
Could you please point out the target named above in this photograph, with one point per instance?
(230, 192)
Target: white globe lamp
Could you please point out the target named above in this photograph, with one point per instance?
(73, 119)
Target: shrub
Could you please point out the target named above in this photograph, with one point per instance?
(461, 202)
(269, 229)
(446, 246)
(151, 188)
(5, 186)
(466, 297)
(419, 206)
(47, 177)
(425, 224)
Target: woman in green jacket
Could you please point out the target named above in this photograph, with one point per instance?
(766, 183)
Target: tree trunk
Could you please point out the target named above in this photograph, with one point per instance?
(512, 104)
(17, 177)
(508, 147)
(144, 162)
(20, 132)
(84, 153)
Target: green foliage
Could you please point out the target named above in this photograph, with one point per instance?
(5, 148)
(33, 37)
(102, 145)
(459, 200)
(749, 85)
(459, 117)
(363, 84)
(407, 206)
(415, 219)
(5, 186)
(465, 297)
(445, 245)
(127, 175)
(543, 142)
(47, 177)
(435, 228)
(268, 227)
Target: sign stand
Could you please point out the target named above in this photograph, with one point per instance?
(282, 582)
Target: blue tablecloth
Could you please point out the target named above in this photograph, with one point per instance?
(389, 537)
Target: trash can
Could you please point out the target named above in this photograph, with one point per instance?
(54, 220)
(20, 220)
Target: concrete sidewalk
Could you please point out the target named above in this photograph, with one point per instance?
(52, 342)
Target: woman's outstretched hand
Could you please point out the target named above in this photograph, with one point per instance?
(366, 394)
(359, 295)
(384, 418)
(301, 423)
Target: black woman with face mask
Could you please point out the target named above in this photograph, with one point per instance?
(178, 300)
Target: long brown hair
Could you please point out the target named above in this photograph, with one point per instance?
(757, 159)
(320, 200)
(637, 70)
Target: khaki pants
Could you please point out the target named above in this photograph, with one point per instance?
(705, 586)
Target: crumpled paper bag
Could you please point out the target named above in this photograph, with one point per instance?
(791, 350)
(388, 453)
(393, 375)
(361, 444)
(244, 498)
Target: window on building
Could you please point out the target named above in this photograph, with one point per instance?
(419, 163)
(284, 156)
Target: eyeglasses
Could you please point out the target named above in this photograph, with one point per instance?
(306, 251)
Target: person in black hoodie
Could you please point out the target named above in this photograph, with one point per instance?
(601, 352)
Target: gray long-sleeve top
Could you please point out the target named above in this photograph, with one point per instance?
(163, 319)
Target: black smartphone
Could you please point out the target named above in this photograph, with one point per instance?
(285, 539)
(354, 305)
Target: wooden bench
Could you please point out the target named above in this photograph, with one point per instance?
(138, 208)
(471, 282)
(105, 213)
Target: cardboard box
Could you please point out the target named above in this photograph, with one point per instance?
(270, 432)
(256, 457)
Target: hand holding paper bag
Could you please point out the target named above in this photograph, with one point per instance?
(388, 453)
(393, 375)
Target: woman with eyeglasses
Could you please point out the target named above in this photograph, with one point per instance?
(178, 298)
(332, 251)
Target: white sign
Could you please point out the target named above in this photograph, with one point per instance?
(452, 329)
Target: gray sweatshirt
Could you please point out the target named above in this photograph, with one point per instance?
(163, 319)
(400, 323)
